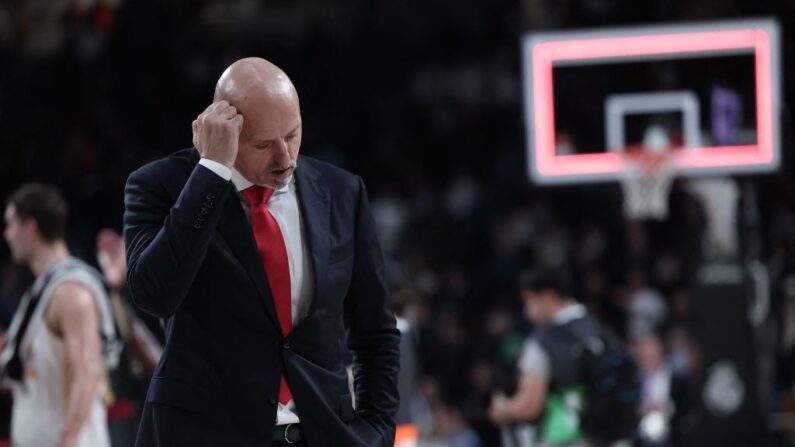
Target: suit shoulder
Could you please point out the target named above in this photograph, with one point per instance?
(173, 166)
(333, 174)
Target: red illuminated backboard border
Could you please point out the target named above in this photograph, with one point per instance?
(542, 51)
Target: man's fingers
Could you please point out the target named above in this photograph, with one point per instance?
(216, 131)
(228, 112)
(209, 108)
(217, 105)
(221, 109)
(238, 121)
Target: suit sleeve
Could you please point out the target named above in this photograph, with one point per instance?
(373, 335)
(167, 241)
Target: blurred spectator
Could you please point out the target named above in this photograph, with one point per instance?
(450, 429)
(62, 337)
(557, 382)
(442, 424)
(656, 404)
(143, 346)
(646, 307)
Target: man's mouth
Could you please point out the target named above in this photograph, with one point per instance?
(281, 172)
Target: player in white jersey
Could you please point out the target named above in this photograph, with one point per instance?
(58, 343)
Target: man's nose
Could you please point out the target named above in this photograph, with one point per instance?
(282, 153)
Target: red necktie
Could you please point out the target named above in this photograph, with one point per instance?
(273, 253)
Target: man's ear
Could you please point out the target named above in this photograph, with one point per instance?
(548, 295)
(31, 228)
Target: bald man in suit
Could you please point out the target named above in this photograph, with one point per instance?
(261, 262)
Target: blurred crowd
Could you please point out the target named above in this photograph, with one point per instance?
(423, 100)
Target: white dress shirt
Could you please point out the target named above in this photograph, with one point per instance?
(283, 206)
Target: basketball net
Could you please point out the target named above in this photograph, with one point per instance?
(646, 181)
(647, 176)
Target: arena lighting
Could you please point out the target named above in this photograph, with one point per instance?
(542, 51)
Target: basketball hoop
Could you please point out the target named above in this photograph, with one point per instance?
(645, 182)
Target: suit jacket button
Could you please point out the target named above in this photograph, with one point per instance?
(286, 345)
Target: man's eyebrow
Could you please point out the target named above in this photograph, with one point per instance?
(268, 140)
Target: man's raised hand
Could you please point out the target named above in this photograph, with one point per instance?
(216, 132)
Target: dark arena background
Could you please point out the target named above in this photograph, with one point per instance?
(438, 106)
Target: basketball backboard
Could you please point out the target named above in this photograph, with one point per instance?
(714, 87)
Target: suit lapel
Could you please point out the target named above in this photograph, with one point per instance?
(235, 228)
(313, 200)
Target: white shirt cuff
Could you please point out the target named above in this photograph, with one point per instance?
(222, 171)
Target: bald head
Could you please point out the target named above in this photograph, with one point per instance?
(254, 79)
(270, 137)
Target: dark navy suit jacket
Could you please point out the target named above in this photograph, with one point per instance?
(193, 262)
